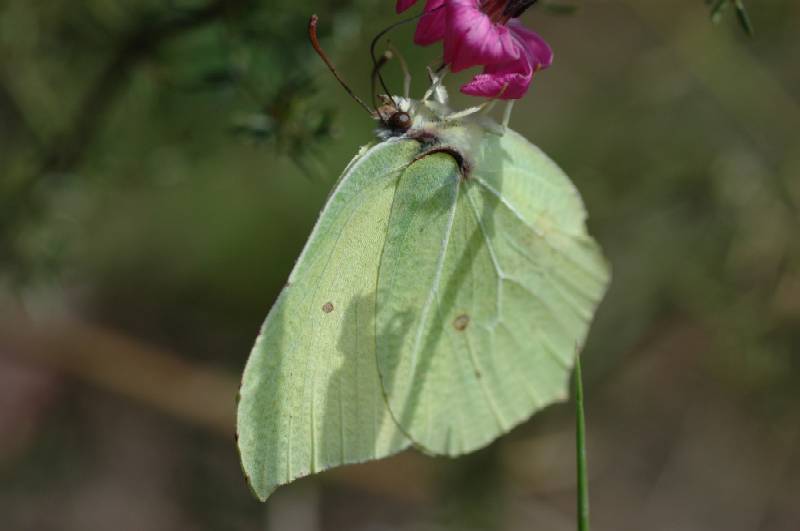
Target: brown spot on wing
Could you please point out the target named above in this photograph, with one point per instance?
(461, 322)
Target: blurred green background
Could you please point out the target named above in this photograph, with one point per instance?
(162, 162)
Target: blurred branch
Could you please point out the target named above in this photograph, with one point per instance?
(201, 395)
(198, 394)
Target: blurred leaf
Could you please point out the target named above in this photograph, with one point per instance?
(744, 18)
(718, 8)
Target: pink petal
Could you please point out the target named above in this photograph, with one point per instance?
(431, 27)
(402, 5)
(512, 79)
(471, 38)
(499, 85)
(536, 47)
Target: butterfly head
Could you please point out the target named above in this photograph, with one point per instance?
(396, 116)
(399, 121)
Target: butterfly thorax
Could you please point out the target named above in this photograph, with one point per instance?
(437, 128)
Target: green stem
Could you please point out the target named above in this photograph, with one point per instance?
(580, 445)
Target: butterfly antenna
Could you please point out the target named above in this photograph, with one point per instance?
(312, 35)
(382, 60)
(383, 32)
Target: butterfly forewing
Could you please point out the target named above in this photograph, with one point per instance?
(310, 397)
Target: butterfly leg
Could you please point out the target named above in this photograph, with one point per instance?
(404, 68)
(482, 108)
(488, 106)
(436, 90)
(507, 113)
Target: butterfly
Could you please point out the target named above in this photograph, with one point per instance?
(439, 301)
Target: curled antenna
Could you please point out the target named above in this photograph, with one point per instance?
(383, 32)
(379, 64)
(312, 35)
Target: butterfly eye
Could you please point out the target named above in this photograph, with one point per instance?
(400, 121)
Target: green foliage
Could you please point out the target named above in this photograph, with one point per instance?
(241, 61)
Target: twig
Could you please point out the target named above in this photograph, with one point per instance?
(580, 446)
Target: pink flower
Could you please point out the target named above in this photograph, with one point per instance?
(431, 27)
(473, 35)
(511, 79)
(485, 33)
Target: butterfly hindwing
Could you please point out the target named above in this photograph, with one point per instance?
(486, 287)
(310, 397)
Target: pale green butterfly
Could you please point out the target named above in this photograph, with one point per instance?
(439, 301)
